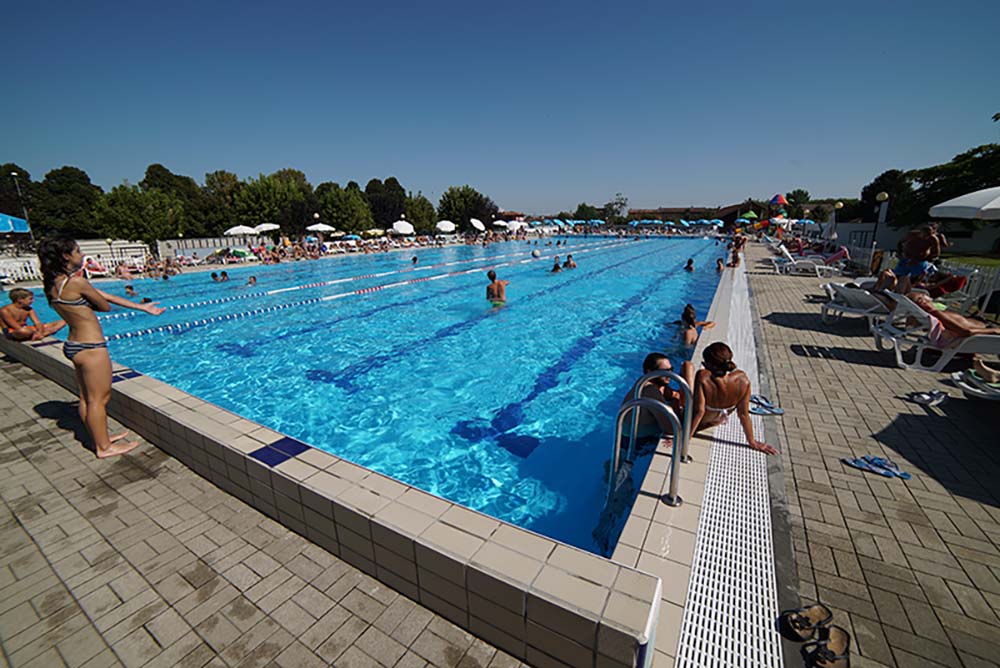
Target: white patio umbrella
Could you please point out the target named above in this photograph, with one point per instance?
(981, 205)
(239, 229)
(478, 224)
(374, 232)
(402, 227)
(445, 226)
(266, 227)
(499, 223)
(321, 227)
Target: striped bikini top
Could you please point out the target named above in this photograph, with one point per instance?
(73, 302)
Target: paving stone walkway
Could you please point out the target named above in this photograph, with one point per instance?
(140, 562)
(911, 568)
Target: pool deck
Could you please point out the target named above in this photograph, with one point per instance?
(139, 561)
(911, 569)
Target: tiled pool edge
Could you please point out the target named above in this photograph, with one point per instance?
(537, 599)
(657, 538)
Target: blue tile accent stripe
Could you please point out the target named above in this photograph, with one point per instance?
(270, 457)
(125, 375)
(290, 446)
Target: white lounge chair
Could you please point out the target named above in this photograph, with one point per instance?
(786, 264)
(853, 301)
(918, 338)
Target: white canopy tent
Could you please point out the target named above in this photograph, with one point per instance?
(239, 230)
(979, 205)
(402, 227)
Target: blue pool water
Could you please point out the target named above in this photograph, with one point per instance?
(507, 411)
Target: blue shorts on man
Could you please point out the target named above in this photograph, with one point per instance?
(913, 268)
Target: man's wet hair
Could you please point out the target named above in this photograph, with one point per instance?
(492, 275)
(652, 362)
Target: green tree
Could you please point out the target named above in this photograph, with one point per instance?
(564, 215)
(797, 201)
(134, 213)
(344, 208)
(616, 209)
(460, 204)
(386, 200)
(219, 195)
(820, 213)
(10, 203)
(298, 214)
(63, 204)
(975, 169)
(899, 186)
(184, 188)
(265, 200)
(586, 211)
(421, 214)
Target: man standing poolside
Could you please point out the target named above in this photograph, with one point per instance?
(496, 291)
(15, 318)
(916, 249)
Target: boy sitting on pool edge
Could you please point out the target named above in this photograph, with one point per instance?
(15, 318)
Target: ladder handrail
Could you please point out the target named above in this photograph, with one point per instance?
(688, 409)
(671, 498)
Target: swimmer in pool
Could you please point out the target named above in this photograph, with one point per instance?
(689, 325)
(569, 263)
(690, 265)
(556, 267)
(496, 291)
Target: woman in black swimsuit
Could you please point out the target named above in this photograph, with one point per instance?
(75, 299)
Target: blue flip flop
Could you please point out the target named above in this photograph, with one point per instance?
(764, 406)
(888, 465)
(863, 465)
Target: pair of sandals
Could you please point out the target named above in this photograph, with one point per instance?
(826, 645)
(762, 406)
(878, 465)
(932, 398)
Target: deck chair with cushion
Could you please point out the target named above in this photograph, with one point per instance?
(920, 337)
(786, 264)
(853, 301)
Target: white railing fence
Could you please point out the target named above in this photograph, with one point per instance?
(20, 269)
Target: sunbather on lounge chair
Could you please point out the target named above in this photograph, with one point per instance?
(953, 326)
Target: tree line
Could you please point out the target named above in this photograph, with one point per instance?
(165, 205)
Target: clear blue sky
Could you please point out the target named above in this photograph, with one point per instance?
(539, 105)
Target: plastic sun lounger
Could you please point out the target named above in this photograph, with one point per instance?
(918, 338)
(853, 301)
(787, 264)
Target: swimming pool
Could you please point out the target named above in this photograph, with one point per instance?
(407, 370)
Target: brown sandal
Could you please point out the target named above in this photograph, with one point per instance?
(834, 651)
(800, 625)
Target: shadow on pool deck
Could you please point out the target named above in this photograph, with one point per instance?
(67, 417)
(933, 442)
(813, 322)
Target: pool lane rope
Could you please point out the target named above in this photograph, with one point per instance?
(185, 326)
(336, 281)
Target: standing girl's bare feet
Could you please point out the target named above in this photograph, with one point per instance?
(116, 448)
(118, 437)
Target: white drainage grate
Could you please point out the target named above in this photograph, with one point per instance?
(732, 597)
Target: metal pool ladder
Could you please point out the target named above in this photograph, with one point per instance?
(679, 451)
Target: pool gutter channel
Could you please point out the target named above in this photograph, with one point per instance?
(540, 600)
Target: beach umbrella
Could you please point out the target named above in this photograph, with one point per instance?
(750, 215)
(595, 221)
(716, 221)
(535, 223)
(239, 229)
(478, 224)
(351, 237)
(375, 232)
(806, 221)
(499, 223)
(266, 227)
(445, 226)
(742, 221)
(685, 223)
(979, 205)
(321, 227)
(335, 235)
(779, 200)
(402, 227)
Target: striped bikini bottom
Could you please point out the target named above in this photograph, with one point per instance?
(72, 348)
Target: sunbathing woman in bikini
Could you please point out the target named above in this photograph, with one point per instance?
(719, 389)
(76, 300)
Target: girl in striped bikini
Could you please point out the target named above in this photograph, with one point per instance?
(75, 299)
